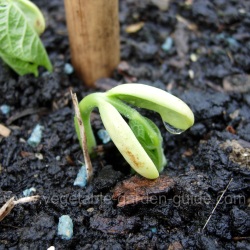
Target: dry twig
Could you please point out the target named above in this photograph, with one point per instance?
(87, 160)
(10, 204)
(217, 204)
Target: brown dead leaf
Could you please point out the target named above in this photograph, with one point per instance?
(138, 189)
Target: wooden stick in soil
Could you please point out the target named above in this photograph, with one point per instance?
(93, 28)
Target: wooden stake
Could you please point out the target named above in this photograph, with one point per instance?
(93, 28)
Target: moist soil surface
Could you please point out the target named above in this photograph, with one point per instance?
(206, 63)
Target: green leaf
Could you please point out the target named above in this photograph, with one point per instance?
(143, 135)
(174, 112)
(20, 46)
(151, 140)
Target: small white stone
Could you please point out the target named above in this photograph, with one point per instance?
(193, 57)
(39, 156)
(242, 11)
(191, 73)
(90, 210)
(51, 248)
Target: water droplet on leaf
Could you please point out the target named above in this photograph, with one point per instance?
(172, 129)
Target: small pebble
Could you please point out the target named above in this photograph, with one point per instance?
(232, 42)
(4, 131)
(193, 57)
(68, 69)
(58, 158)
(39, 156)
(81, 179)
(220, 36)
(242, 11)
(29, 191)
(167, 45)
(51, 248)
(22, 140)
(90, 210)
(191, 73)
(5, 109)
(65, 227)
(104, 136)
(36, 136)
(161, 4)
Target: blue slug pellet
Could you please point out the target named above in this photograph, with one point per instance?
(65, 227)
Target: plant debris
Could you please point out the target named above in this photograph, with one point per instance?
(137, 189)
(4, 131)
(11, 203)
(133, 28)
(240, 152)
(88, 164)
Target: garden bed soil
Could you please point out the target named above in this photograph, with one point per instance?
(206, 62)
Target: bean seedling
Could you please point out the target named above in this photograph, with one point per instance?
(21, 23)
(139, 140)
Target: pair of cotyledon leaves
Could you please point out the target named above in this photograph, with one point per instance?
(21, 23)
(139, 140)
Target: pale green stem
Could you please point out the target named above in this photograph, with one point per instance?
(86, 106)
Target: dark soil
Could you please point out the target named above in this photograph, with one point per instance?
(201, 161)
